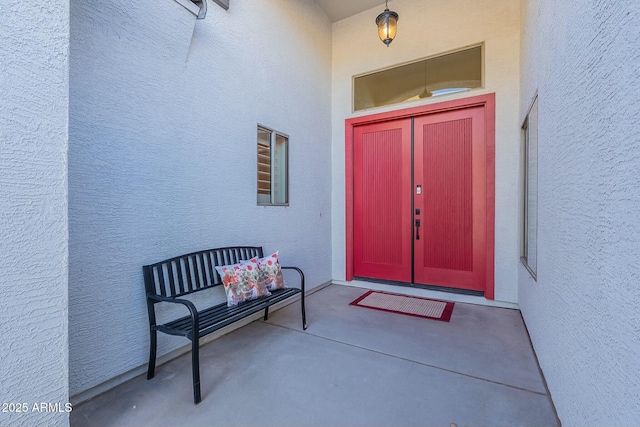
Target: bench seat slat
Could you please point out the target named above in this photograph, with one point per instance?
(224, 321)
(219, 316)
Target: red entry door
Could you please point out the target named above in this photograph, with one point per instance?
(382, 201)
(450, 199)
(442, 184)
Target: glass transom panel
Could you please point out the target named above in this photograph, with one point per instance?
(445, 74)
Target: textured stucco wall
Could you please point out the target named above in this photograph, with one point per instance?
(582, 313)
(426, 28)
(162, 158)
(34, 85)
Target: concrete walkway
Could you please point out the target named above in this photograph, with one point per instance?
(352, 367)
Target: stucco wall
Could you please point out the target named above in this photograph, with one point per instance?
(34, 85)
(426, 28)
(582, 313)
(163, 120)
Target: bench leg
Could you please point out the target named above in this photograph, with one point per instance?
(152, 354)
(195, 367)
(266, 314)
(304, 316)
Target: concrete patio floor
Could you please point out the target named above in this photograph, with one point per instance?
(352, 367)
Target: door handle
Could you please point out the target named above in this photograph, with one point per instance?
(417, 229)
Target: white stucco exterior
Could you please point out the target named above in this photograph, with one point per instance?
(162, 158)
(34, 85)
(427, 28)
(582, 313)
(128, 135)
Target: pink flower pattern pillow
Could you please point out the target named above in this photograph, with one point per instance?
(242, 282)
(271, 272)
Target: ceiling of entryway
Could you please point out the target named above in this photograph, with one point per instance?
(340, 9)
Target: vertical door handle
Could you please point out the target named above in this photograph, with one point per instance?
(417, 229)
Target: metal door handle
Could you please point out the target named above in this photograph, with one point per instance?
(417, 229)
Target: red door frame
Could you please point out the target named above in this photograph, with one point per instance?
(488, 102)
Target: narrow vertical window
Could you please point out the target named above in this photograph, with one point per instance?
(273, 159)
(529, 250)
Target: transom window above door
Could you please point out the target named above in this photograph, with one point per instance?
(440, 75)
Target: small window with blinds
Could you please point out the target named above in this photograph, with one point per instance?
(273, 159)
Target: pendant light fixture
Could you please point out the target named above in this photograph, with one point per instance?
(387, 23)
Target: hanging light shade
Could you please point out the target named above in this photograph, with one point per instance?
(387, 23)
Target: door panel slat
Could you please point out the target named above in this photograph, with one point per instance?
(382, 197)
(447, 188)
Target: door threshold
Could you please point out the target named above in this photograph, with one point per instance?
(420, 286)
(424, 292)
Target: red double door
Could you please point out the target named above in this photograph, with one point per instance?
(420, 200)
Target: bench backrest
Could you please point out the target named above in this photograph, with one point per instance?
(193, 272)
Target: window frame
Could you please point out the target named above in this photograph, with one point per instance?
(274, 134)
(526, 130)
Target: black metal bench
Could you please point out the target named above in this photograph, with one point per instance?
(168, 280)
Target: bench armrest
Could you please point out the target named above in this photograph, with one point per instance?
(300, 273)
(195, 317)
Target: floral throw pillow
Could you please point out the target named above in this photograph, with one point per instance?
(271, 272)
(242, 282)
